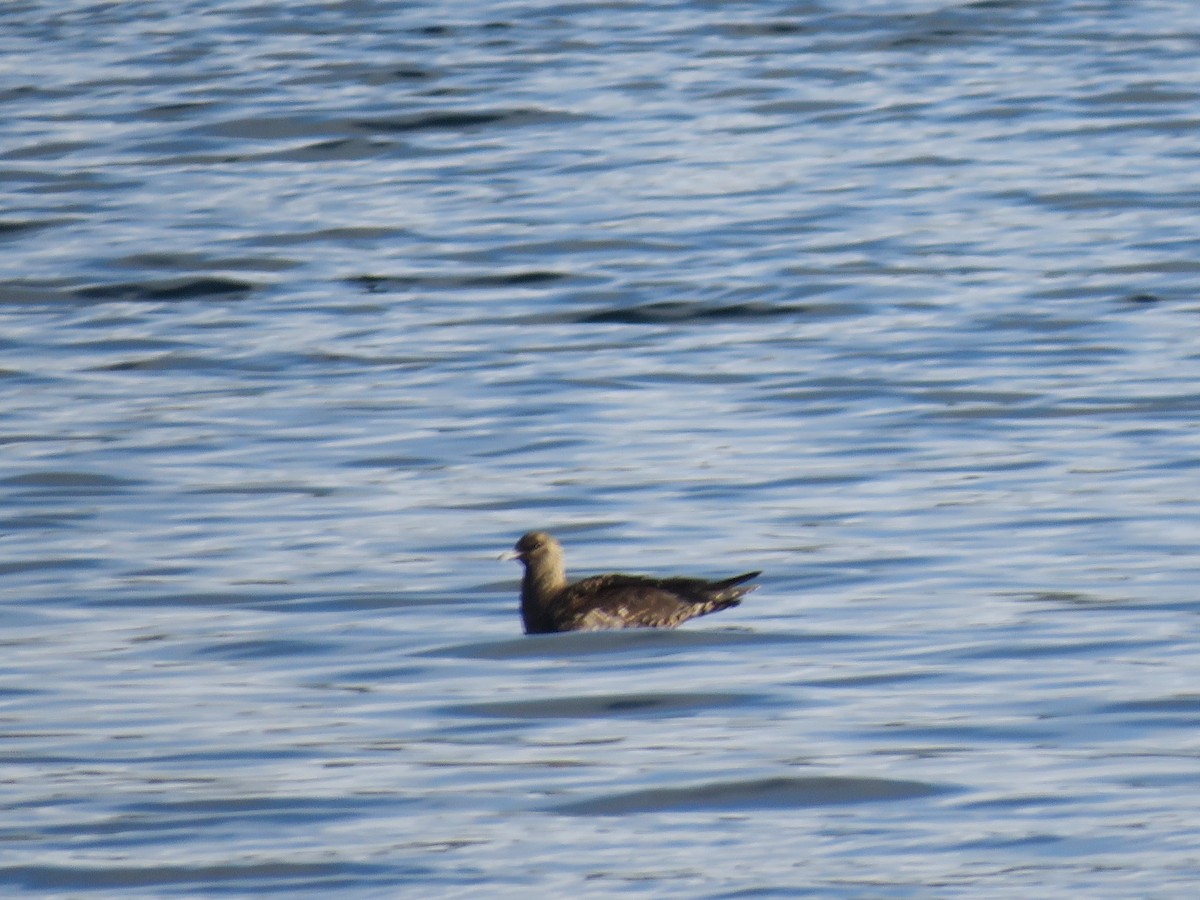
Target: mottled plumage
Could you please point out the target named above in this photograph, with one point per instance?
(550, 604)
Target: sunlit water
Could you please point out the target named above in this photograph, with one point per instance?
(309, 310)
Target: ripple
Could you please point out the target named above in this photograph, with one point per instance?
(61, 564)
(1180, 710)
(459, 120)
(68, 482)
(586, 707)
(658, 642)
(767, 793)
(281, 874)
(375, 284)
(667, 311)
(265, 648)
(177, 289)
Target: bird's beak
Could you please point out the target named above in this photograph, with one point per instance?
(509, 554)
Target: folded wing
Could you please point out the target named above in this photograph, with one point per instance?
(630, 601)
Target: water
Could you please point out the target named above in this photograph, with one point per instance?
(310, 310)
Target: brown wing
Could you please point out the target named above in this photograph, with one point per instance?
(630, 601)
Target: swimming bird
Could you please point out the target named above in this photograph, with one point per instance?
(549, 604)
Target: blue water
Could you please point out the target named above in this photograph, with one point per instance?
(308, 311)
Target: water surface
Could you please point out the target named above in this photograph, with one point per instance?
(308, 311)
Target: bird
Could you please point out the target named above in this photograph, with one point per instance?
(549, 604)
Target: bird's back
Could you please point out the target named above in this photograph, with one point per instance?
(632, 601)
